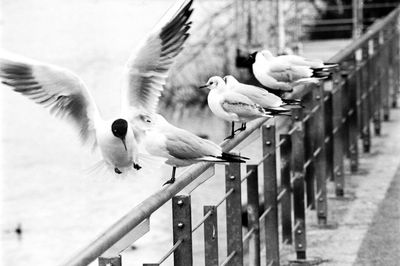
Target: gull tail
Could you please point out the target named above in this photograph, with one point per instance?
(292, 102)
(277, 111)
(233, 158)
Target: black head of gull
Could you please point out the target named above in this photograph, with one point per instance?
(119, 129)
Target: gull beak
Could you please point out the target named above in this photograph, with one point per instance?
(204, 86)
(123, 141)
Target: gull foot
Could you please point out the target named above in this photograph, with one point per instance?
(116, 170)
(171, 181)
(136, 166)
(229, 137)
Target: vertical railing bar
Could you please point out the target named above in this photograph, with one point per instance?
(286, 200)
(298, 184)
(253, 213)
(211, 236)
(234, 213)
(182, 230)
(270, 193)
(114, 261)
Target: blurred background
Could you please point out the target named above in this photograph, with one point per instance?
(53, 200)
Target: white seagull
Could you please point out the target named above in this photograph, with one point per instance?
(232, 106)
(269, 101)
(181, 147)
(284, 72)
(65, 94)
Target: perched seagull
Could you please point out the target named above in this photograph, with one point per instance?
(232, 106)
(65, 94)
(269, 101)
(181, 147)
(284, 72)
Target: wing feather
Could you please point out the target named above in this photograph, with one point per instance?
(147, 70)
(56, 88)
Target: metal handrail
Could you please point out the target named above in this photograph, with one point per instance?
(143, 210)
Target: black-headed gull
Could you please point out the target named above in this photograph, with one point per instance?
(284, 72)
(232, 106)
(65, 94)
(180, 147)
(267, 100)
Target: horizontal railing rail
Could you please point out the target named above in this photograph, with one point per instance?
(311, 145)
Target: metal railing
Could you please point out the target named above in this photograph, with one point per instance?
(310, 153)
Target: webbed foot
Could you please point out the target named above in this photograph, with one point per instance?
(171, 181)
(136, 166)
(116, 170)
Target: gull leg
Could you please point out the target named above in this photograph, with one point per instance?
(243, 127)
(232, 132)
(172, 180)
(116, 170)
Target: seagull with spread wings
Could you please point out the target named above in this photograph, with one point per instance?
(65, 94)
(283, 72)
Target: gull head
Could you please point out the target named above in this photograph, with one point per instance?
(119, 128)
(267, 54)
(214, 82)
(229, 80)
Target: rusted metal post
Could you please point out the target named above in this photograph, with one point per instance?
(286, 200)
(182, 229)
(337, 135)
(115, 261)
(270, 195)
(253, 209)
(319, 157)
(298, 185)
(384, 87)
(211, 236)
(366, 79)
(234, 213)
(376, 72)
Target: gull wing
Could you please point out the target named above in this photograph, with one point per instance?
(147, 70)
(258, 95)
(60, 90)
(183, 145)
(241, 105)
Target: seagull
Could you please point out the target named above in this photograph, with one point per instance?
(282, 73)
(181, 147)
(232, 106)
(66, 95)
(269, 101)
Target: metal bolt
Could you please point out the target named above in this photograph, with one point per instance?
(338, 185)
(180, 225)
(180, 203)
(321, 199)
(232, 177)
(338, 173)
(268, 142)
(296, 117)
(300, 245)
(318, 97)
(321, 212)
(268, 126)
(299, 231)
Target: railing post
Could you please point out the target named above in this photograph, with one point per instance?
(377, 84)
(182, 230)
(328, 109)
(309, 140)
(211, 236)
(234, 214)
(270, 195)
(115, 261)
(351, 86)
(363, 83)
(338, 173)
(384, 87)
(319, 156)
(286, 200)
(253, 209)
(298, 185)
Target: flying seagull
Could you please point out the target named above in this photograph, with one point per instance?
(180, 147)
(66, 95)
(282, 73)
(232, 106)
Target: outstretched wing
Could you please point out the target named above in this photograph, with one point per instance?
(61, 91)
(147, 70)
